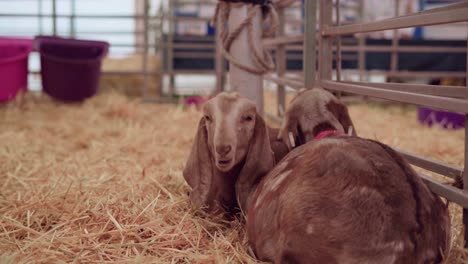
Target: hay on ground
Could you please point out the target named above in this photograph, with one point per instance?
(102, 182)
(131, 85)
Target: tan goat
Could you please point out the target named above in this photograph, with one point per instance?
(312, 111)
(339, 199)
(232, 139)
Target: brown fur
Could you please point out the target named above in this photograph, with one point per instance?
(347, 200)
(224, 124)
(337, 200)
(313, 111)
(280, 149)
(211, 187)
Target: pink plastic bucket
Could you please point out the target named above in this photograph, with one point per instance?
(14, 54)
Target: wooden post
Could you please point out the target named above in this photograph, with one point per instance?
(247, 84)
(325, 51)
(281, 64)
(310, 51)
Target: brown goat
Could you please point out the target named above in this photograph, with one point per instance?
(312, 111)
(346, 200)
(336, 200)
(231, 140)
(280, 149)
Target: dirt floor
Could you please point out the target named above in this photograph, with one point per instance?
(101, 181)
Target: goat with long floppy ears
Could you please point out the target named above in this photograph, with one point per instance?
(336, 200)
(231, 140)
(342, 199)
(310, 112)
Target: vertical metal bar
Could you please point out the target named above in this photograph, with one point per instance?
(160, 50)
(395, 40)
(220, 63)
(325, 50)
(362, 43)
(338, 44)
(72, 18)
(170, 52)
(281, 64)
(145, 48)
(465, 169)
(138, 26)
(310, 51)
(40, 16)
(54, 17)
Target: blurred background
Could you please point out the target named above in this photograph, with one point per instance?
(175, 41)
(91, 172)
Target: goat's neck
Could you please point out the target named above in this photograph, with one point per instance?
(230, 177)
(225, 182)
(245, 189)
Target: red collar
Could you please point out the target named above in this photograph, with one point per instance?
(327, 133)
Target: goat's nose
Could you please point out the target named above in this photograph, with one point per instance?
(223, 149)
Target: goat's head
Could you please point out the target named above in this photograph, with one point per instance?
(230, 122)
(312, 111)
(231, 140)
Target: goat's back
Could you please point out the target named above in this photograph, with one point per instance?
(346, 200)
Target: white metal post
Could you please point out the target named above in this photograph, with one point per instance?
(247, 84)
(220, 63)
(281, 63)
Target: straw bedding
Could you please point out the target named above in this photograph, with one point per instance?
(129, 84)
(101, 181)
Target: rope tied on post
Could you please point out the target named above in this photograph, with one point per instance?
(263, 60)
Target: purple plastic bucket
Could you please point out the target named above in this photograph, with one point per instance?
(445, 119)
(70, 68)
(14, 54)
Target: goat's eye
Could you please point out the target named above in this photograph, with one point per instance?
(247, 118)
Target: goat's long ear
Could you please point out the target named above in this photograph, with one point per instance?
(198, 171)
(259, 161)
(290, 132)
(340, 111)
(279, 148)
